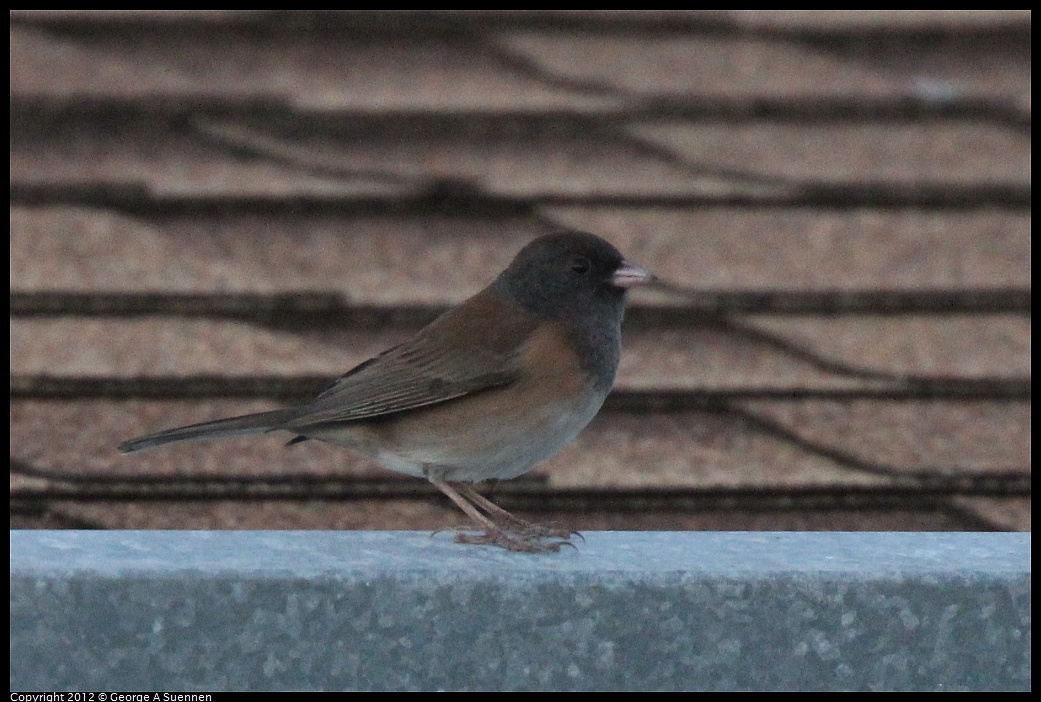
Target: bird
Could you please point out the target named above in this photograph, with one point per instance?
(486, 391)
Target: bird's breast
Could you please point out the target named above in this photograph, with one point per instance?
(499, 432)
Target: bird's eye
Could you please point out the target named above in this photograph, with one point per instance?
(580, 265)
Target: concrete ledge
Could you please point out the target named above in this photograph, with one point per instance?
(210, 611)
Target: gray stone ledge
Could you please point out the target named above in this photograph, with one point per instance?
(112, 611)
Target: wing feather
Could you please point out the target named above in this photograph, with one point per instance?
(458, 354)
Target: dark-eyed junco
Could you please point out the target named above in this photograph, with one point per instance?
(487, 390)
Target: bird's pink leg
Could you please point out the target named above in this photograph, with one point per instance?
(512, 522)
(493, 533)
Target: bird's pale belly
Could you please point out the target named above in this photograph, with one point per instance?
(490, 444)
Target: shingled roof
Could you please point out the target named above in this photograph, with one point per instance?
(214, 212)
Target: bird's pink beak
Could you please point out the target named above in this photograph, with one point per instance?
(629, 275)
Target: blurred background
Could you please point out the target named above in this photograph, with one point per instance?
(216, 212)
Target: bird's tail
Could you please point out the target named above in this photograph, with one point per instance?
(219, 428)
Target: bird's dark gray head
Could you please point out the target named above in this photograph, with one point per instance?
(580, 280)
(568, 273)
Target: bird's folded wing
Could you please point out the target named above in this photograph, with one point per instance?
(455, 356)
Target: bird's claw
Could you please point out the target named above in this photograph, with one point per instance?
(523, 541)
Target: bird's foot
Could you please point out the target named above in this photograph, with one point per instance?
(522, 541)
(543, 531)
(512, 523)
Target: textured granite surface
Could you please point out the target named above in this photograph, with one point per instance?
(119, 611)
